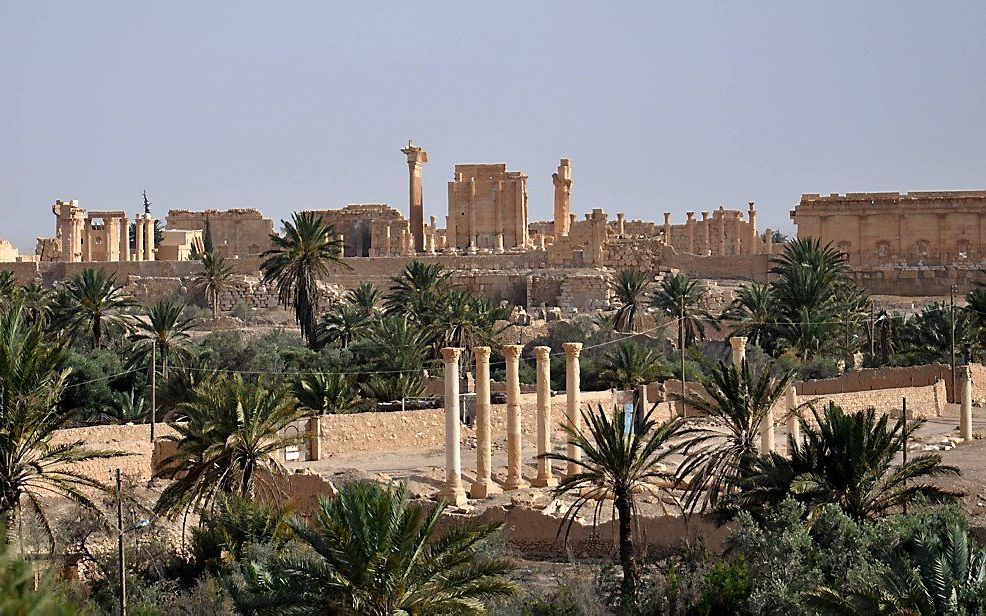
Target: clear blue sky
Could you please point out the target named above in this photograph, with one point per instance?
(284, 106)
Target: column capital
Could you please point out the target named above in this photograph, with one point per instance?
(572, 349)
(450, 355)
(542, 352)
(512, 351)
(738, 342)
(481, 353)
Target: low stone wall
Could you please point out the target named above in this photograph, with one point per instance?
(134, 440)
(868, 379)
(922, 402)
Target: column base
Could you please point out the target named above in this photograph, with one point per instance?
(544, 482)
(453, 496)
(515, 483)
(484, 489)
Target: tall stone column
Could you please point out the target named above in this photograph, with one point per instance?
(545, 478)
(452, 492)
(416, 158)
(484, 486)
(471, 212)
(738, 344)
(112, 239)
(722, 231)
(124, 239)
(515, 479)
(752, 236)
(667, 228)
(706, 239)
(737, 236)
(690, 229)
(148, 238)
(965, 418)
(574, 399)
(87, 240)
(768, 245)
(499, 244)
(620, 224)
(139, 237)
(793, 425)
(562, 179)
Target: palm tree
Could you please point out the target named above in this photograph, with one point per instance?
(942, 573)
(755, 312)
(681, 298)
(464, 320)
(630, 365)
(164, 327)
(721, 455)
(236, 523)
(417, 291)
(929, 334)
(127, 407)
(847, 459)
(92, 304)
(393, 387)
(299, 260)
(228, 435)
(630, 289)
(30, 389)
(366, 297)
(374, 553)
(618, 464)
(37, 303)
(343, 324)
(8, 287)
(394, 345)
(213, 279)
(326, 394)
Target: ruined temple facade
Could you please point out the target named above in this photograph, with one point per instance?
(375, 230)
(487, 209)
(892, 229)
(233, 233)
(83, 236)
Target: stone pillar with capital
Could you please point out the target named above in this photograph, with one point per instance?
(452, 492)
(574, 400)
(87, 236)
(706, 238)
(112, 239)
(148, 238)
(416, 159)
(690, 230)
(793, 423)
(139, 237)
(752, 236)
(768, 245)
(515, 445)
(483, 486)
(738, 344)
(124, 239)
(562, 179)
(499, 244)
(545, 478)
(965, 416)
(667, 228)
(620, 224)
(722, 232)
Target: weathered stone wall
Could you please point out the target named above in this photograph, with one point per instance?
(922, 402)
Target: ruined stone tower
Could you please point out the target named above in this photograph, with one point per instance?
(563, 197)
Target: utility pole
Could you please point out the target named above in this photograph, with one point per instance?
(122, 557)
(872, 332)
(904, 406)
(951, 338)
(153, 388)
(681, 352)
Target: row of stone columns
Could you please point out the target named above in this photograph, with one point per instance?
(484, 487)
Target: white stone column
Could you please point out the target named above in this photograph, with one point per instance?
(515, 445)
(574, 399)
(124, 239)
(738, 343)
(767, 432)
(484, 486)
(87, 240)
(148, 238)
(546, 477)
(452, 492)
(965, 418)
(499, 244)
(793, 425)
(138, 237)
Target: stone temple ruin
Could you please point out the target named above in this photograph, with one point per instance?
(910, 243)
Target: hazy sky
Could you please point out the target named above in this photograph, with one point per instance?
(293, 105)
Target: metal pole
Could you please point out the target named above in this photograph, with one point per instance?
(153, 388)
(681, 351)
(951, 342)
(122, 557)
(872, 333)
(904, 406)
